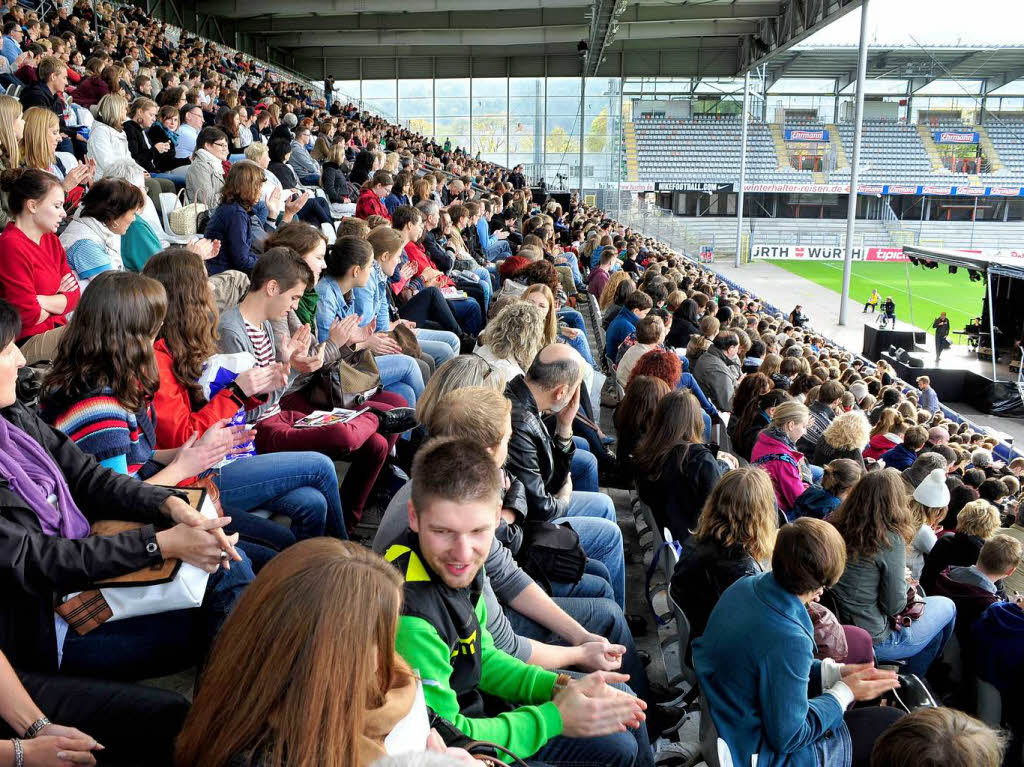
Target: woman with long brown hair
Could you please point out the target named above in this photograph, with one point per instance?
(634, 415)
(877, 525)
(301, 485)
(734, 538)
(675, 470)
(232, 220)
(883, 434)
(328, 687)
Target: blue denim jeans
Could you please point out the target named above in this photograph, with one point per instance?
(596, 583)
(485, 283)
(580, 344)
(302, 486)
(817, 472)
(401, 375)
(468, 314)
(499, 250)
(572, 318)
(574, 266)
(598, 616)
(583, 468)
(923, 640)
(157, 645)
(439, 344)
(621, 749)
(592, 516)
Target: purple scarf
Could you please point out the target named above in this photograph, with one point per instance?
(33, 475)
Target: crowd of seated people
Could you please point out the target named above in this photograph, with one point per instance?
(372, 336)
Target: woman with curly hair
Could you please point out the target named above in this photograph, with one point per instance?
(512, 339)
(554, 330)
(876, 525)
(663, 364)
(845, 437)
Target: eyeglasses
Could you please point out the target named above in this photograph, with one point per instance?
(221, 144)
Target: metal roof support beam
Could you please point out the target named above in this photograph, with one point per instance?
(798, 20)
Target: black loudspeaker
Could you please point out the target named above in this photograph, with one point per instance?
(914, 362)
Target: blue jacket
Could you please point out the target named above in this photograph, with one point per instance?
(999, 642)
(899, 457)
(372, 301)
(756, 665)
(623, 324)
(331, 306)
(231, 224)
(393, 201)
(483, 231)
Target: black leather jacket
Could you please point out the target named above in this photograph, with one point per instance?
(705, 570)
(36, 568)
(533, 457)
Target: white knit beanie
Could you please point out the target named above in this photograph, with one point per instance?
(932, 492)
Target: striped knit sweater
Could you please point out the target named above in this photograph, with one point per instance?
(99, 425)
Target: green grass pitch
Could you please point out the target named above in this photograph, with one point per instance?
(933, 290)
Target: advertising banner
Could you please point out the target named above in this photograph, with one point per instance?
(797, 134)
(824, 253)
(954, 137)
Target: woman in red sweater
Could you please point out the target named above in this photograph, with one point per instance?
(35, 277)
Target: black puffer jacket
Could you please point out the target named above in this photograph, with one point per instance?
(705, 570)
(36, 568)
(533, 457)
(335, 185)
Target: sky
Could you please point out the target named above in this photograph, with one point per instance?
(930, 22)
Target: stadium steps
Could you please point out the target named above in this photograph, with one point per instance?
(924, 131)
(781, 150)
(988, 151)
(632, 156)
(837, 140)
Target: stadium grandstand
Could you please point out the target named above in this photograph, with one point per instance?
(435, 383)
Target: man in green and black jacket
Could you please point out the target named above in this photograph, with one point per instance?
(485, 693)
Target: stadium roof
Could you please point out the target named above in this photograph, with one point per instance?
(367, 39)
(997, 64)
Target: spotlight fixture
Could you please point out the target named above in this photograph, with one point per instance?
(975, 275)
(952, 269)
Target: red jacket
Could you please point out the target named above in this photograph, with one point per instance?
(878, 444)
(175, 420)
(28, 270)
(369, 204)
(422, 261)
(90, 91)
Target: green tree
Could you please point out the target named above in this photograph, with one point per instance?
(558, 141)
(597, 134)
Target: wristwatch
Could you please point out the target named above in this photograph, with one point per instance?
(236, 393)
(34, 730)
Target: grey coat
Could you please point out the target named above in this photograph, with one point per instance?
(874, 588)
(717, 376)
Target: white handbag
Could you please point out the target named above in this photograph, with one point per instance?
(173, 585)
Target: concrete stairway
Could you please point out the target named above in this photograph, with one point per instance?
(837, 140)
(988, 151)
(930, 149)
(781, 150)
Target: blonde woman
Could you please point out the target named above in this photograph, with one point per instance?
(512, 339)
(845, 437)
(108, 143)
(40, 140)
(392, 163)
(975, 523)
(12, 128)
(775, 452)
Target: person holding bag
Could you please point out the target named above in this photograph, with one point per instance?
(877, 525)
(349, 268)
(51, 494)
